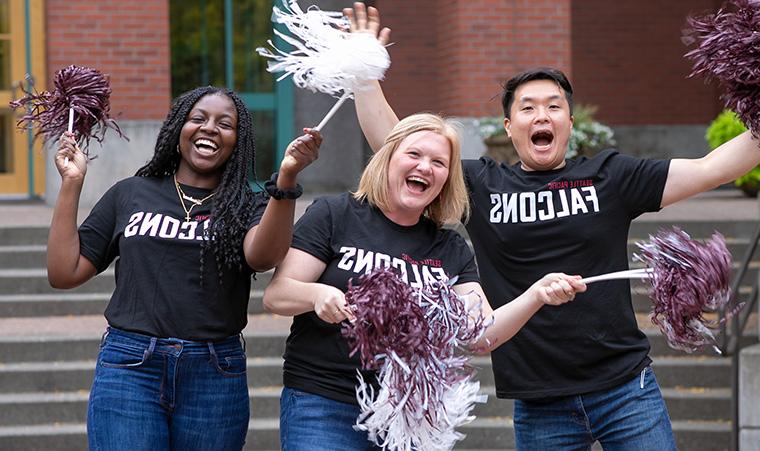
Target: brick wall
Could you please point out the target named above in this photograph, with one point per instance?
(452, 56)
(627, 58)
(128, 40)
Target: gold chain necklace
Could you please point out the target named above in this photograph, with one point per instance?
(193, 201)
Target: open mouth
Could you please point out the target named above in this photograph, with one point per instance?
(542, 138)
(417, 184)
(206, 145)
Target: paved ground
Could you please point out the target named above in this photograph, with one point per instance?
(719, 205)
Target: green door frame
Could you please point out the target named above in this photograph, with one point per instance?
(280, 101)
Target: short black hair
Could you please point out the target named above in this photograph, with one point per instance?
(540, 73)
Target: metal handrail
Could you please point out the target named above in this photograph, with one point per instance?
(731, 339)
(729, 342)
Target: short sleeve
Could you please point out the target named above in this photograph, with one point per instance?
(313, 231)
(640, 182)
(470, 168)
(260, 202)
(96, 234)
(469, 270)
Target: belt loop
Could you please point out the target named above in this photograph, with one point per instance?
(641, 381)
(149, 352)
(212, 351)
(104, 336)
(242, 341)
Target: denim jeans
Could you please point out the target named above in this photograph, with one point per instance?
(629, 417)
(314, 423)
(168, 394)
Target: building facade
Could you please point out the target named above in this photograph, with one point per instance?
(448, 56)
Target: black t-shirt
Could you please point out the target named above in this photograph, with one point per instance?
(353, 238)
(573, 220)
(158, 281)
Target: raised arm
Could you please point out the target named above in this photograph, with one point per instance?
(66, 267)
(687, 177)
(266, 244)
(552, 289)
(376, 116)
(294, 290)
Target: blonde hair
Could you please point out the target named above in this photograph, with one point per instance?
(451, 204)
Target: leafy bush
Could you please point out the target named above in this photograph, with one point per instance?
(587, 137)
(725, 127)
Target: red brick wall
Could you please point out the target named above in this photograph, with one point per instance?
(128, 40)
(627, 58)
(451, 56)
(411, 82)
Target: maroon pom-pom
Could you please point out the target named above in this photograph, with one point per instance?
(85, 90)
(689, 279)
(728, 51)
(415, 339)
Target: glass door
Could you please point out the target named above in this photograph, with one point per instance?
(213, 42)
(21, 164)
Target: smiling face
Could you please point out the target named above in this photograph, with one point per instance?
(207, 140)
(417, 171)
(539, 125)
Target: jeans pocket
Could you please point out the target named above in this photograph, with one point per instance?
(230, 366)
(123, 357)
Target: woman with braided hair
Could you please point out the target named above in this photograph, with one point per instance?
(187, 233)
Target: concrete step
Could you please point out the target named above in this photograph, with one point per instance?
(34, 281)
(696, 371)
(660, 347)
(642, 303)
(77, 348)
(262, 435)
(23, 235)
(640, 230)
(482, 435)
(32, 408)
(65, 303)
(265, 366)
(23, 256)
(737, 246)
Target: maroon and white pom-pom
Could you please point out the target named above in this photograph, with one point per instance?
(689, 279)
(415, 338)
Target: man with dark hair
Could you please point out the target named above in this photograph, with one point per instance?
(579, 373)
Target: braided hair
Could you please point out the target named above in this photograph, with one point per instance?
(234, 201)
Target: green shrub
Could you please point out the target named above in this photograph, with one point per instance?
(725, 127)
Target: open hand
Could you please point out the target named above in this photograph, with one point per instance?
(367, 20)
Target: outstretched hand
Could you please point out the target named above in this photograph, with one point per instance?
(557, 288)
(76, 166)
(367, 20)
(301, 152)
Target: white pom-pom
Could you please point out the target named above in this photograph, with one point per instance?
(326, 58)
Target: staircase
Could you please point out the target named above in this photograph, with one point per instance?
(49, 341)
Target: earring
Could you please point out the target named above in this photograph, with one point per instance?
(178, 151)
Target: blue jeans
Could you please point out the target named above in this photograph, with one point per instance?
(314, 423)
(168, 394)
(629, 417)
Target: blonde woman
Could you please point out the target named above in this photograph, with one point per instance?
(409, 190)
